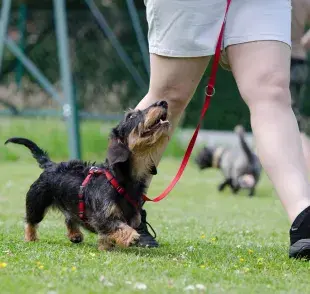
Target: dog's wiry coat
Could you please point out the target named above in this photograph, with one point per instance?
(107, 212)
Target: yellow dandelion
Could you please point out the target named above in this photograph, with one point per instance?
(41, 266)
(241, 259)
(250, 251)
(73, 268)
(203, 236)
(246, 269)
(3, 264)
(202, 266)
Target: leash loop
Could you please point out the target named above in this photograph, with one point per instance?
(209, 90)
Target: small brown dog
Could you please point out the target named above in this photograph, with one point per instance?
(107, 211)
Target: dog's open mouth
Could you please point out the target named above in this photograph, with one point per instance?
(159, 123)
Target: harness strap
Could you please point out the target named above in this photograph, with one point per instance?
(98, 171)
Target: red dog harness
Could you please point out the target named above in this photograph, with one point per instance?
(99, 171)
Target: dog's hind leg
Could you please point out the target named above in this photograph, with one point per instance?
(222, 186)
(37, 202)
(235, 187)
(252, 191)
(74, 233)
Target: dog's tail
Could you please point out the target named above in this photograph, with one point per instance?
(40, 155)
(240, 131)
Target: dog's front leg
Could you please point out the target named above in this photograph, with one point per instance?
(136, 220)
(118, 233)
(124, 235)
(252, 191)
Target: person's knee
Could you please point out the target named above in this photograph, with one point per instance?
(266, 88)
(177, 96)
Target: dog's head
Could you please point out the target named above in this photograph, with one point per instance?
(138, 135)
(204, 158)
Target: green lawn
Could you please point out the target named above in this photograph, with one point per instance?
(228, 244)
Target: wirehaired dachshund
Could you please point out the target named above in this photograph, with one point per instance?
(107, 212)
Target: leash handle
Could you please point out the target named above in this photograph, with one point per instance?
(210, 91)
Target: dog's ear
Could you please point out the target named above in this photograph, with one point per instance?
(117, 152)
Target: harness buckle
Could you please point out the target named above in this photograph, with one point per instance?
(95, 170)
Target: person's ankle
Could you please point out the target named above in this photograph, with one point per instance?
(299, 207)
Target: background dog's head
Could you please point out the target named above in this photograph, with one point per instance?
(204, 159)
(138, 135)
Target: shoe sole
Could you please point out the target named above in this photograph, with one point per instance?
(300, 249)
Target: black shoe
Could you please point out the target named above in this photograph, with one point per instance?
(146, 239)
(300, 236)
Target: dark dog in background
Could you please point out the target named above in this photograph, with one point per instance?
(240, 166)
(107, 212)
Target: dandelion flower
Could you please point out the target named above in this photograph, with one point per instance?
(203, 236)
(3, 264)
(73, 268)
(241, 259)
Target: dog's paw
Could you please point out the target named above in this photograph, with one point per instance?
(76, 237)
(30, 233)
(31, 239)
(125, 236)
(133, 238)
(106, 247)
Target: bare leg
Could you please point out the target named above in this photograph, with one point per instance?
(306, 148)
(261, 70)
(174, 80)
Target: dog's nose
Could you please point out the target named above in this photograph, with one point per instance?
(162, 103)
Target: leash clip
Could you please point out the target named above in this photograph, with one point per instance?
(212, 89)
(95, 170)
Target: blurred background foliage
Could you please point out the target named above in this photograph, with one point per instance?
(103, 84)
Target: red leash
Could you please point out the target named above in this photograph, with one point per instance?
(210, 91)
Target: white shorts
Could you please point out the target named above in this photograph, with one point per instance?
(190, 28)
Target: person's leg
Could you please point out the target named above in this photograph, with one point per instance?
(174, 80)
(261, 70)
(305, 141)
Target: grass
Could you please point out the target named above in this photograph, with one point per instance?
(221, 242)
(51, 134)
(228, 244)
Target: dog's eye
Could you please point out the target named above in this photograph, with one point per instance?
(130, 116)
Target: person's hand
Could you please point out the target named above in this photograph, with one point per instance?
(305, 40)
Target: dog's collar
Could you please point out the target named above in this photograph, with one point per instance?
(99, 171)
(217, 156)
